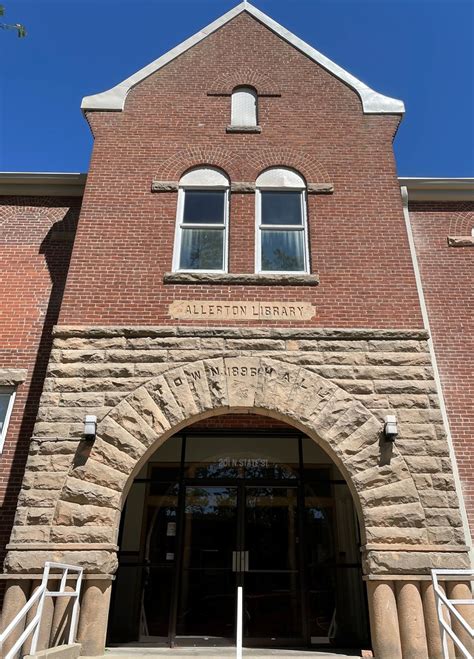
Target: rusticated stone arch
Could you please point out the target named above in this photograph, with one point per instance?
(226, 82)
(313, 171)
(176, 165)
(89, 504)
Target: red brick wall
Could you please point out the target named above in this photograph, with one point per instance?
(241, 422)
(448, 283)
(34, 258)
(357, 237)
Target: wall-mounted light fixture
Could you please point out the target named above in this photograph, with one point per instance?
(390, 429)
(90, 427)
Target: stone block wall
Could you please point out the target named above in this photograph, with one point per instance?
(144, 384)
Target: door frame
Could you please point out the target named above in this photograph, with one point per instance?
(299, 482)
(241, 485)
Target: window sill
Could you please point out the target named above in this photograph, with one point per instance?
(245, 279)
(243, 129)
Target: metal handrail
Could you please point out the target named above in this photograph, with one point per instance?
(443, 600)
(240, 622)
(39, 596)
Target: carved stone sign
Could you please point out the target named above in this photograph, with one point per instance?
(239, 310)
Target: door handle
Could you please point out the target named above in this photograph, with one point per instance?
(240, 561)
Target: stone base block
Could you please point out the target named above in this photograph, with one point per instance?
(63, 652)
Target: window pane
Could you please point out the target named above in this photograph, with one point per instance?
(281, 208)
(282, 250)
(4, 400)
(204, 206)
(202, 249)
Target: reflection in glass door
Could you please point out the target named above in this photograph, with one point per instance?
(206, 604)
(240, 536)
(272, 580)
(225, 511)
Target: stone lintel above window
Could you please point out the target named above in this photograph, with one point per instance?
(461, 241)
(244, 187)
(10, 377)
(164, 186)
(264, 94)
(320, 188)
(243, 279)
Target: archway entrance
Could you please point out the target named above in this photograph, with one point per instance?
(248, 502)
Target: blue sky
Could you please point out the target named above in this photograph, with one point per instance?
(421, 51)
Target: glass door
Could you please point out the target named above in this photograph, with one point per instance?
(207, 591)
(272, 574)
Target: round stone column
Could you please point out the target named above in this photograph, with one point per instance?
(46, 619)
(16, 595)
(433, 635)
(61, 621)
(411, 620)
(94, 616)
(461, 590)
(384, 627)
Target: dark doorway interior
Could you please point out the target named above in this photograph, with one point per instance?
(265, 510)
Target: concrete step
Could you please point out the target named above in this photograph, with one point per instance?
(140, 652)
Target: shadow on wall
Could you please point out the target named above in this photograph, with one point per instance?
(56, 248)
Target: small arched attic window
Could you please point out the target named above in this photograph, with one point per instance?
(202, 221)
(244, 107)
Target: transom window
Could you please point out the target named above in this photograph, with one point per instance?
(7, 397)
(202, 221)
(281, 240)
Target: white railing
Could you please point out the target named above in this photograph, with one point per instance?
(240, 622)
(33, 627)
(453, 614)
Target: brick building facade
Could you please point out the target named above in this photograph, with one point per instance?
(311, 329)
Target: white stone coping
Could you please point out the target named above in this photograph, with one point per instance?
(372, 101)
(95, 331)
(12, 376)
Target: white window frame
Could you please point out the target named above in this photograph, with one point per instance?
(3, 431)
(198, 179)
(280, 179)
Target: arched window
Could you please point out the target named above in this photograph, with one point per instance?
(202, 221)
(281, 222)
(244, 107)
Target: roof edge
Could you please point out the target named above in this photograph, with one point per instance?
(372, 102)
(57, 184)
(438, 189)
